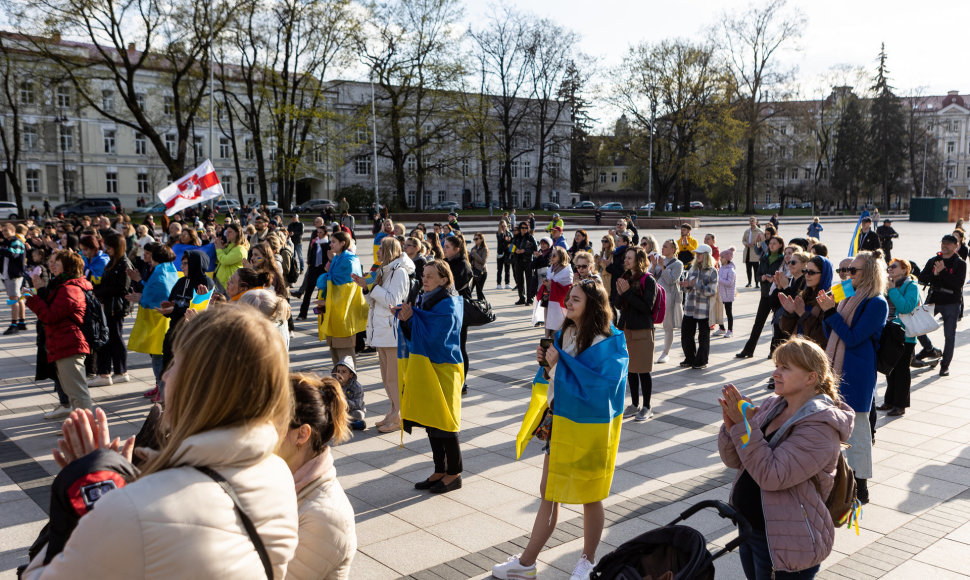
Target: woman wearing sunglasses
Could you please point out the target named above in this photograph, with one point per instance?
(801, 315)
(903, 298)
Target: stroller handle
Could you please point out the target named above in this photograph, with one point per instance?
(725, 511)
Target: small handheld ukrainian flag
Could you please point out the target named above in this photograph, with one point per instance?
(200, 301)
(842, 290)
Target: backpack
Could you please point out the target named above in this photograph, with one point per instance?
(659, 311)
(95, 325)
(842, 502)
(291, 268)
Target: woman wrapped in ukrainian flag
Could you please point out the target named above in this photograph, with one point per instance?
(576, 408)
(148, 332)
(345, 311)
(431, 373)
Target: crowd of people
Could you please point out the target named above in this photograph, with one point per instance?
(191, 281)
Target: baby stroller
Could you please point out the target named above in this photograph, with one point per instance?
(672, 552)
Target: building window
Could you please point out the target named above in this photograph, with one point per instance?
(968, 171)
(951, 146)
(70, 178)
(794, 173)
(32, 183)
(515, 168)
(515, 199)
(554, 169)
(319, 154)
(426, 198)
(362, 165)
(168, 105)
(140, 100)
(808, 173)
(66, 135)
(412, 165)
(602, 177)
(108, 100)
(143, 183)
(250, 185)
(171, 144)
(949, 173)
(442, 195)
(109, 141)
(224, 148)
(30, 137)
(412, 197)
(111, 182)
(64, 97)
(141, 144)
(613, 177)
(27, 94)
(250, 149)
(227, 181)
(197, 144)
(555, 197)
(362, 135)
(527, 198)
(823, 173)
(623, 177)
(464, 168)
(527, 169)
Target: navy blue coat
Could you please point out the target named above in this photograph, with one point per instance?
(861, 341)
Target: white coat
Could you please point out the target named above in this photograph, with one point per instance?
(179, 523)
(393, 289)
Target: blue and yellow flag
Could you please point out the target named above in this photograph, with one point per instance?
(854, 244)
(430, 368)
(843, 290)
(346, 311)
(587, 414)
(148, 332)
(200, 301)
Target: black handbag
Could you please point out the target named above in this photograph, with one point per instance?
(891, 347)
(478, 312)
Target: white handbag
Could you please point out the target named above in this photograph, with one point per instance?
(920, 321)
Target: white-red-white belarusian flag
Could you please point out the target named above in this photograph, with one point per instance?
(201, 184)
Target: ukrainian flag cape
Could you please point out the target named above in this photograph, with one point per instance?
(854, 244)
(429, 367)
(148, 332)
(588, 405)
(346, 311)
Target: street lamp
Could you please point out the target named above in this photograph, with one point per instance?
(926, 138)
(60, 120)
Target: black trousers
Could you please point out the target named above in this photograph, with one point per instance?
(752, 268)
(463, 345)
(695, 353)
(445, 451)
(503, 265)
(309, 285)
(522, 272)
(899, 381)
(114, 353)
(764, 311)
(478, 285)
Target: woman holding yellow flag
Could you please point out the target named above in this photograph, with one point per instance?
(148, 333)
(577, 409)
(344, 311)
(431, 373)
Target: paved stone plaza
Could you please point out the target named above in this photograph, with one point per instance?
(916, 526)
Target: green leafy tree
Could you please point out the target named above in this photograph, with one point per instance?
(886, 135)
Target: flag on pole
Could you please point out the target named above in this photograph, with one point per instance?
(200, 184)
(854, 244)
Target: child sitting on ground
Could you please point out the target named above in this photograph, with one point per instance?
(345, 373)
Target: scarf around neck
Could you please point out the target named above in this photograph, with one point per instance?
(836, 346)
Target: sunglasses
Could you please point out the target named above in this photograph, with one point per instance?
(852, 271)
(582, 266)
(810, 272)
(793, 262)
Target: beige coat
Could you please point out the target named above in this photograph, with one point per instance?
(178, 523)
(328, 537)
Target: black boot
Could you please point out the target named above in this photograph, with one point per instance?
(862, 490)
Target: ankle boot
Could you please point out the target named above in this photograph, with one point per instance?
(862, 490)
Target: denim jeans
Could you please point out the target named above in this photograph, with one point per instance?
(756, 561)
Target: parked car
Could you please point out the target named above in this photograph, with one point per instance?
(549, 206)
(88, 206)
(223, 205)
(697, 205)
(612, 206)
(583, 205)
(315, 206)
(649, 206)
(447, 206)
(481, 204)
(158, 208)
(273, 208)
(8, 210)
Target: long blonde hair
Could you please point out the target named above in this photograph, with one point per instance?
(871, 280)
(233, 370)
(808, 356)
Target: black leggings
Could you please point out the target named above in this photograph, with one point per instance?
(504, 265)
(478, 285)
(729, 312)
(463, 344)
(445, 451)
(640, 383)
(752, 268)
(114, 352)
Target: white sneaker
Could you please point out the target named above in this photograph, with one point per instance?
(58, 412)
(582, 570)
(122, 378)
(508, 286)
(630, 411)
(100, 381)
(728, 334)
(513, 570)
(644, 414)
(662, 359)
(498, 286)
(717, 332)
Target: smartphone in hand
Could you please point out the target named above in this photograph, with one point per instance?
(545, 343)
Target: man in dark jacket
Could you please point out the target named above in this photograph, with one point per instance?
(525, 246)
(886, 234)
(316, 261)
(868, 240)
(295, 230)
(616, 268)
(945, 274)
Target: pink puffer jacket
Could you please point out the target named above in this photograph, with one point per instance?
(798, 526)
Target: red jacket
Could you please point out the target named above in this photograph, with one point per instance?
(62, 312)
